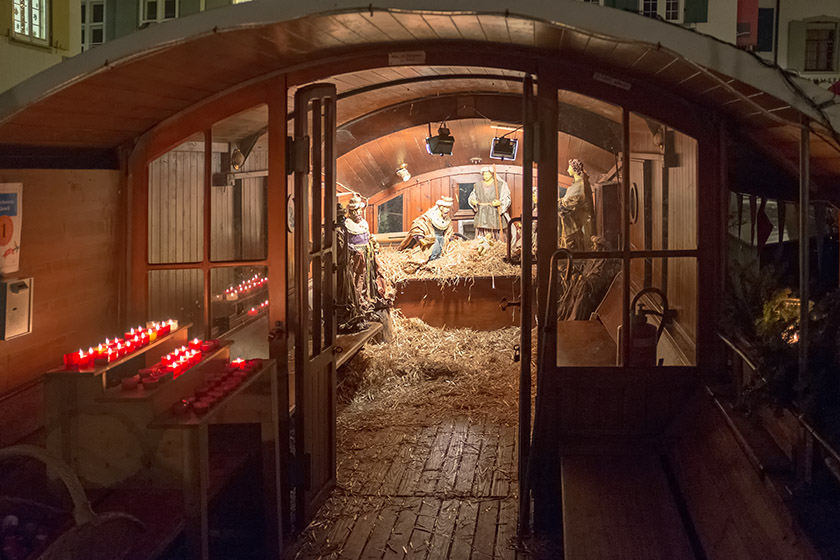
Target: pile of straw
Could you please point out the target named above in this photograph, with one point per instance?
(460, 260)
(431, 371)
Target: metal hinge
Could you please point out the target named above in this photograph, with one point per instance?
(297, 155)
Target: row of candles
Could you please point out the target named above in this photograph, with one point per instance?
(111, 350)
(233, 292)
(171, 366)
(256, 310)
(217, 387)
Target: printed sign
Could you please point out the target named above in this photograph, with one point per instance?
(10, 218)
(406, 58)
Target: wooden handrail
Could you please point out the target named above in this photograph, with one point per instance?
(734, 347)
(832, 462)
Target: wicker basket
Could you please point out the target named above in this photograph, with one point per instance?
(106, 536)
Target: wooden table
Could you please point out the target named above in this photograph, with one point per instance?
(255, 401)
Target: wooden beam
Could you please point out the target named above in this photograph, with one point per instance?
(31, 157)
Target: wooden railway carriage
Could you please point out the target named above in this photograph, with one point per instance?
(128, 150)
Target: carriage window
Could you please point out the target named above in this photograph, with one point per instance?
(178, 294)
(176, 204)
(390, 215)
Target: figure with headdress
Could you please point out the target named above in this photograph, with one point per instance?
(575, 209)
(516, 232)
(350, 316)
(373, 289)
(432, 229)
(490, 199)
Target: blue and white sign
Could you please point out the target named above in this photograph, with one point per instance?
(11, 195)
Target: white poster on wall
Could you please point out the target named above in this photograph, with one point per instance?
(11, 200)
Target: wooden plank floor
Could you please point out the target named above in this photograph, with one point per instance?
(445, 490)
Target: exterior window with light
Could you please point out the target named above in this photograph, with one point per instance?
(30, 20)
(154, 11)
(93, 23)
(669, 10)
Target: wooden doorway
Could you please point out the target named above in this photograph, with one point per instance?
(313, 161)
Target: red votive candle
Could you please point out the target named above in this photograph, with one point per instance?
(71, 360)
(130, 383)
(195, 344)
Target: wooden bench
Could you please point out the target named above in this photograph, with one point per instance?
(618, 507)
(346, 345)
(734, 514)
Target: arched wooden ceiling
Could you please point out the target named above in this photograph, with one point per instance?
(371, 167)
(109, 96)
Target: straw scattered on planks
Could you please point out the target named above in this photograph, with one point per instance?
(434, 370)
(460, 260)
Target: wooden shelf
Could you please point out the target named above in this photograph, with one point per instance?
(352, 343)
(117, 393)
(169, 420)
(178, 333)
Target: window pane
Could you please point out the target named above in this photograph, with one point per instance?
(176, 204)
(819, 49)
(650, 8)
(98, 15)
(84, 15)
(677, 279)
(663, 187)
(238, 198)
(239, 309)
(672, 9)
(390, 218)
(178, 294)
(594, 286)
(151, 10)
(97, 36)
(169, 9)
(464, 190)
(589, 138)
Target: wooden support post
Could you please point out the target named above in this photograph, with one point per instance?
(196, 492)
(526, 305)
(278, 237)
(544, 468)
(624, 342)
(806, 447)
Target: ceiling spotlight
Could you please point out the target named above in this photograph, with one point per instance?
(402, 172)
(237, 159)
(440, 145)
(504, 148)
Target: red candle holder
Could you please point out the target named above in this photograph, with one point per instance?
(195, 344)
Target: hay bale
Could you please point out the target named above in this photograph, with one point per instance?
(460, 260)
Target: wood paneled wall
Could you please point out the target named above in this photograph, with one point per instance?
(176, 221)
(668, 202)
(176, 205)
(73, 245)
(419, 194)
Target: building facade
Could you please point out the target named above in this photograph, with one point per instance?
(803, 37)
(34, 35)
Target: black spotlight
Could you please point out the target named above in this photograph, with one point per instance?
(504, 148)
(440, 145)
